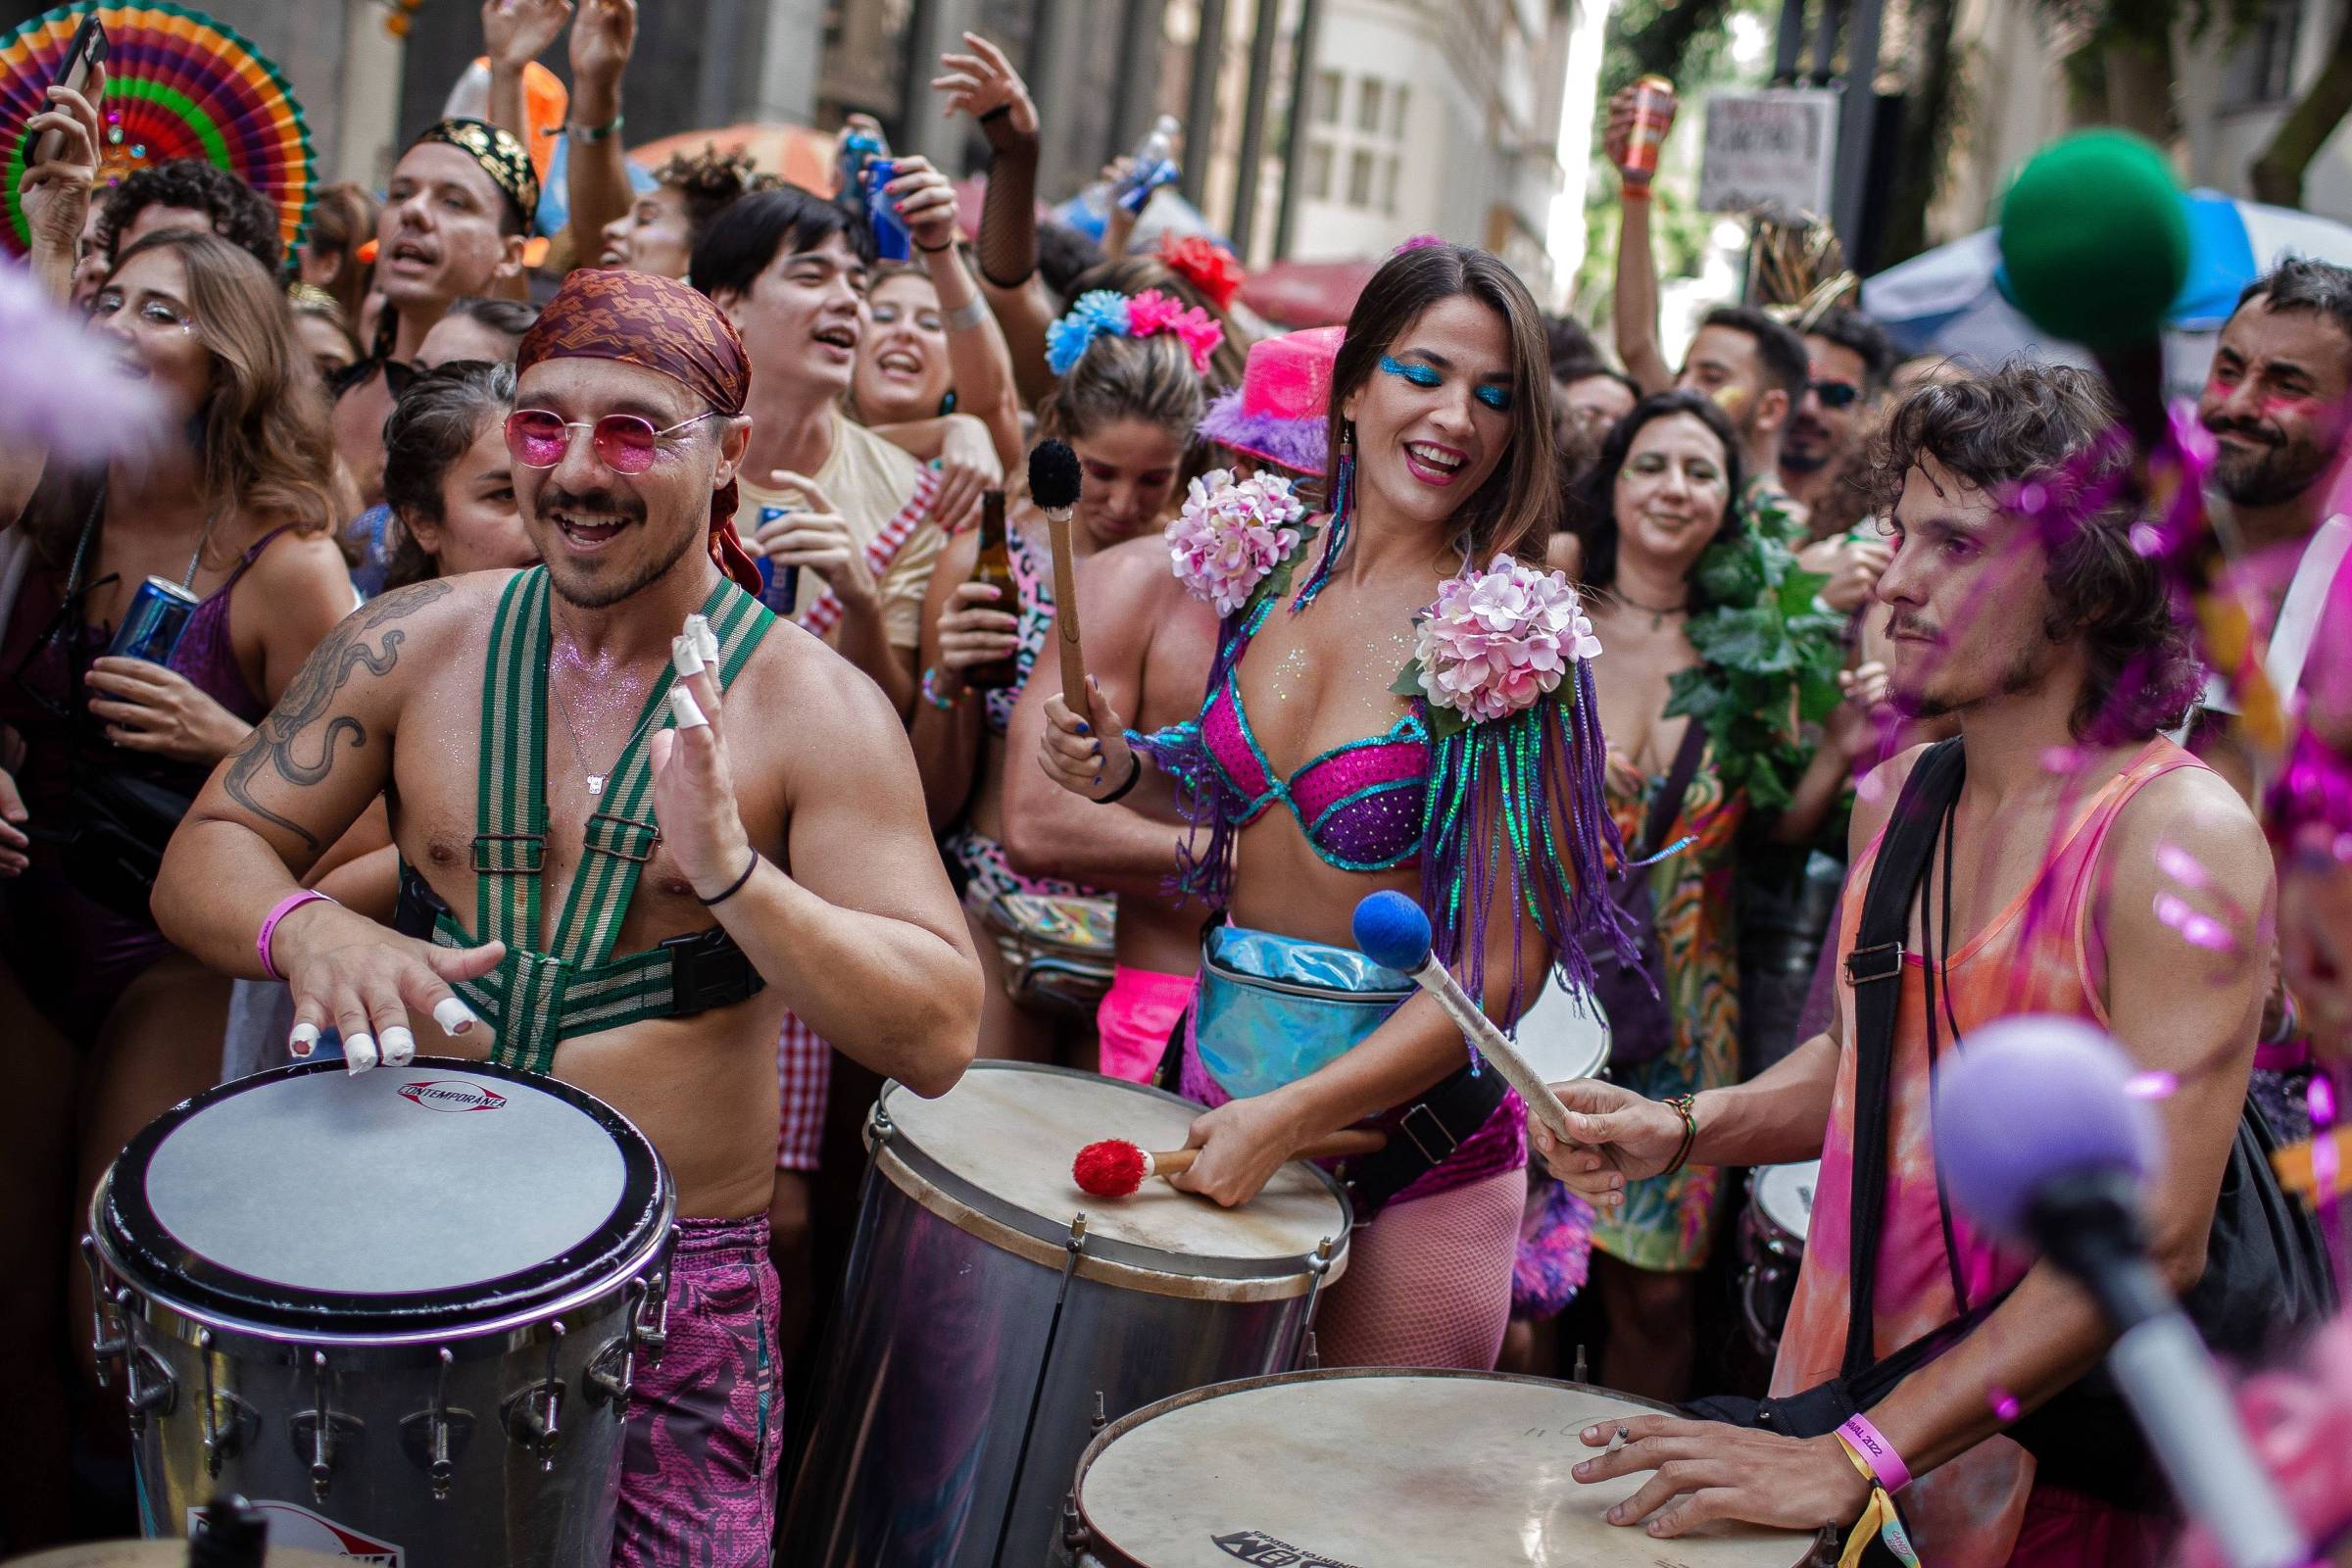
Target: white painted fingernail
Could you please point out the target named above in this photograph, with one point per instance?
(303, 1040)
(359, 1054)
(684, 710)
(400, 1046)
(686, 656)
(454, 1016)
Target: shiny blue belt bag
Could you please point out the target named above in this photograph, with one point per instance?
(1272, 1009)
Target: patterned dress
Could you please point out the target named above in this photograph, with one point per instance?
(1667, 1222)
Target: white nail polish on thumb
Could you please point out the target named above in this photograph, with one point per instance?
(454, 1016)
(400, 1046)
(359, 1054)
(684, 710)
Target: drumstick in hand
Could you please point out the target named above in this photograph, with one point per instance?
(1118, 1169)
(1393, 931)
(1053, 481)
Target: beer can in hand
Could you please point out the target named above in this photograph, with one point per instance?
(158, 612)
(1653, 116)
(779, 586)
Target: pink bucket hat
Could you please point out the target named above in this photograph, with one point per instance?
(1280, 413)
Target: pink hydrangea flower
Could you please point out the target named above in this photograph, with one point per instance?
(1498, 640)
(1231, 533)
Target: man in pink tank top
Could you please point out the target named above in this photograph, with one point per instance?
(2093, 869)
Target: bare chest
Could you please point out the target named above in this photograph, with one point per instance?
(1322, 678)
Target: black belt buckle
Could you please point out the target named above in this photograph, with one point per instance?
(1882, 963)
(1438, 1143)
(708, 970)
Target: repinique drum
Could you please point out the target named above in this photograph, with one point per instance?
(1564, 1035)
(399, 1312)
(995, 1315)
(1771, 1247)
(1366, 1467)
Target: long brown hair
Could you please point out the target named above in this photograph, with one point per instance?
(1517, 509)
(268, 449)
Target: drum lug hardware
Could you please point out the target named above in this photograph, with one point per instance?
(1076, 1244)
(1102, 1416)
(531, 1412)
(229, 1423)
(652, 1339)
(1318, 1268)
(1075, 1536)
(105, 1346)
(147, 1387)
(319, 1433)
(879, 1128)
(613, 1370)
(434, 1438)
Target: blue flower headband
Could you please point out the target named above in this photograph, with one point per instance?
(1104, 310)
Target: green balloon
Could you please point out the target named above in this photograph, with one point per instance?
(2093, 239)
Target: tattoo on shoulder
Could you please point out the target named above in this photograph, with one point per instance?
(369, 638)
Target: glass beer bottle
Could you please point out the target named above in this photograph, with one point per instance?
(995, 568)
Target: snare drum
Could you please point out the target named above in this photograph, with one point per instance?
(1365, 1465)
(1564, 1035)
(1771, 1247)
(398, 1311)
(994, 1315)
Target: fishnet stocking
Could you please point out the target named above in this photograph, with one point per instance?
(1428, 1282)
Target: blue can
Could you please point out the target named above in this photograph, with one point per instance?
(158, 612)
(779, 586)
(892, 243)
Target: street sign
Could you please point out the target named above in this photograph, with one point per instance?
(1775, 149)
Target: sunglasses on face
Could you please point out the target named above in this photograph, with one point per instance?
(1836, 394)
(539, 438)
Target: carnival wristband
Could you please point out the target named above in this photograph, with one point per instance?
(283, 908)
(1885, 1465)
(1879, 1517)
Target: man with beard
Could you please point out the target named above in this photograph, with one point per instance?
(1848, 362)
(2277, 401)
(2059, 656)
(1755, 368)
(786, 807)
(453, 224)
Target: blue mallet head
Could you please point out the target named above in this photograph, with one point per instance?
(1392, 931)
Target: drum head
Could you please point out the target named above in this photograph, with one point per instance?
(1361, 1466)
(1785, 1193)
(1564, 1035)
(437, 1192)
(1002, 1140)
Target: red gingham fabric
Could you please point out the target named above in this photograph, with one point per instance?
(804, 1074)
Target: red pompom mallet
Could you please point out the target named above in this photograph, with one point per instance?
(1118, 1169)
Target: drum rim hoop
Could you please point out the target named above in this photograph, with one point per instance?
(1109, 1554)
(920, 1163)
(146, 1256)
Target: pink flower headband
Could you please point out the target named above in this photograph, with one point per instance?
(1102, 309)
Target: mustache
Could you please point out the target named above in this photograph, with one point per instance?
(610, 503)
(2251, 429)
(1911, 626)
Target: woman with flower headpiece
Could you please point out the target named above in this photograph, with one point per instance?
(1128, 394)
(1400, 698)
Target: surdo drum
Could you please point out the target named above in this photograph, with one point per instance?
(1563, 1034)
(1366, 1467)
(401, 1311)
(1771, 1247)
(995, 1315)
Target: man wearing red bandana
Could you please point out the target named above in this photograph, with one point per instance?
(708, 771)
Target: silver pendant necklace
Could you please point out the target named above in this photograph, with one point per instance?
(595, 781)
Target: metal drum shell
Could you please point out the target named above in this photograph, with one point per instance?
(263, 1380)
(1770, 1256)
(924, 1450)
(1084, 1546)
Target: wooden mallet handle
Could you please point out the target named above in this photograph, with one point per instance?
(1337, 1145)
(1065, 613)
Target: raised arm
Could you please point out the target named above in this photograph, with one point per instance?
(1634, 303)
(56, 198)
(516, 32)
(315, 764)
(984, 85)
(976, 353)
(863, 935)
(596, 176)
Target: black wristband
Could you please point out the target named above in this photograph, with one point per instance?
(932, 250)
(1135, 776)
(735, 886)
(997, 113)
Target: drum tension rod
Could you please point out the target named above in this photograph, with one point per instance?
(104, 1347)
(655, 1339)
(227, 1422)
(534, 1425)
(604, 1385)
(435, 1435)
(317, 1433)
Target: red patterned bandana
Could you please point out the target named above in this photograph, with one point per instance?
(664, 326)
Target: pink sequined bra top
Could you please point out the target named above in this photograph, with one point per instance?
(1359, 804)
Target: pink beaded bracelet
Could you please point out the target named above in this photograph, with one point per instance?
(1872, 1444)
(285, 907)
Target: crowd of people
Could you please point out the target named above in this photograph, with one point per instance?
(1772, 593)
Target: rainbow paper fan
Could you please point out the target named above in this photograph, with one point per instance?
(178, 84)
